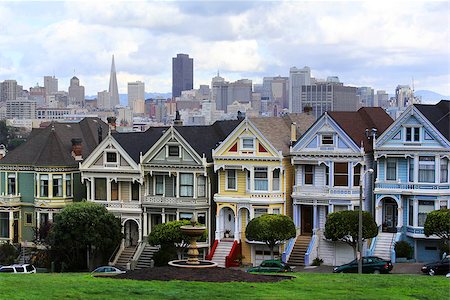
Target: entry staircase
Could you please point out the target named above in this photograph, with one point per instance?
(384, 245)
(145, 259)
(125, 257)
(297, 257)
(223, 249)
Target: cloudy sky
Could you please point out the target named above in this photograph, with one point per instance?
(365, 43)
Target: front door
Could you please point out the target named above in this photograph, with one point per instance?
(307, 219)
(390, 217)
(16, 231)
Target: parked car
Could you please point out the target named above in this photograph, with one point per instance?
(440, 267)
(18, 269)
(271, 266)
(370, 264)
(107, 271)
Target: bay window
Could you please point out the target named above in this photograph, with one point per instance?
(4, 224)
(356, 175)
(425, 207)
(57, 185)
(411, 169)
(11, 183)
(135, 186)
(276, 180)
(231, 180)
(444, 170)
(100, 188)
(114, 190)
(201, 186)
(391, 169)
(43, 179)
(340, 174)
(69, 185)
(159, 185)
(309, 174)
(186, 185)
(261, 180)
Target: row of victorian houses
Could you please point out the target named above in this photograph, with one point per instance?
(227, 173)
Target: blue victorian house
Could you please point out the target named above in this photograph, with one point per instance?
(412, 158)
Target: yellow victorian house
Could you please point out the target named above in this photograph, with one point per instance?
(255, 177)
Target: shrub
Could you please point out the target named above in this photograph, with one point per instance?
(403, 249)
(165, 254)
(317, 261)
(8, 254)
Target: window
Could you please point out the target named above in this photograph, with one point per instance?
(201, 218)
(111, 157)
(100, 188)
(391, 169)
(444, 170)
(231, 180)
(412, 134)
(309, 174)
(327, 139)
(185, 215)
(327, 175)
(248, 143)
(159, 185)
(424, 208)
(114, 190)
(174, 151)
(411, 170)
(57, 186)
(340, 174)
(201, 186)
(426, 169)
(11, 183)
(260, 212)
(276, 180)
(4, 224)
(28, 218)
(339, 208)
(356, 175)
(411, 213)
(247, 181)
(276, 211)
(69, 185)
(135, 186)
(44, 185)
(186, 185)
(261, 181)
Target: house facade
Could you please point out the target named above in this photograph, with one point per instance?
(331, 160)
(254, 178)
(41, 176)
(413, 175)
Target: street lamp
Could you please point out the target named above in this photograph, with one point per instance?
(360, 225)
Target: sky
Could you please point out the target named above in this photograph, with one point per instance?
(365, 43)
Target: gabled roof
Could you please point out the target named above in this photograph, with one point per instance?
(277, 130)
(355, 123)
(205, 138)
(438, 114)
(52, 145)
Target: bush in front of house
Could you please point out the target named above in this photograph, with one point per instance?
(403, 249)
(8, 253)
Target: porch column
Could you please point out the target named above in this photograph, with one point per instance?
(38, 219)
(139, 232)
(379, 214)
(218, 236)
(416, 213)
(195, 186)
(145, 223)
(315, 218)
(92, 186)
(108, 189)
(50, 216)
(177, 180)
(236, 228)
(11, 225)
(296, 216)
(400, 217)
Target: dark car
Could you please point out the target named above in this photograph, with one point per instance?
(370, 264)
(441, 267)
(271, 266)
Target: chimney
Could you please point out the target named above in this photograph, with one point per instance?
(112, 123)
(100, 134)
(293, 133)
(307, 110)
(177, 121)
(77, 149)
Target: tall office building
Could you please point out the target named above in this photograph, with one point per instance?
(113, 89)
(219, 91)
(366, 96)
(136, 93)
(21, 109)
(103, 100)
(182, 74)
(404, 96)
(297, 79)
(381, 99)
(51, 85)
(10, 90)
(76, 92)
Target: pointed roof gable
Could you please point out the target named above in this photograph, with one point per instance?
(52, 146)
(438, 114)
(355, 123)
(277, 130)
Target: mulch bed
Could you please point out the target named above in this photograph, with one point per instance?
(207, 274)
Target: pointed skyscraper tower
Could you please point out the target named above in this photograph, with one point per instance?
(113, 90)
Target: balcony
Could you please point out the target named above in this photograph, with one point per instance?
(326, 192)
(120, 205)
(411, 188)
(9, 200)
(174, 201)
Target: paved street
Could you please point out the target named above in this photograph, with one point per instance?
(399, 268)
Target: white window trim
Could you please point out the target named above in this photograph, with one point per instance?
(396, 171)
(168, 152)
(110, 164)
(235, 180)
(313, 175)
(327, 145)
(412, 133)
(242, 143)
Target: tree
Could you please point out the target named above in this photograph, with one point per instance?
(169, 235)
(438, 223)
(270, 229)
(84, 231)
(343, 226)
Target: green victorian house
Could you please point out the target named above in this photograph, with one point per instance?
(41, 176)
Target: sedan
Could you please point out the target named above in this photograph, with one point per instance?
(271, 266)
(107, 271)
(441, 267)
(370, 264)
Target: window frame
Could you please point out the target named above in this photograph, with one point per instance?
(58, 187)
(276, 179)
(12, 183)
(257, 180)
(111, 154)
(308, 174)
(341, 174)
(327, 137)
(413, 132)
(387, 167)
(201, 186)
(175, 154)
(68, 182)
(44, 188)
(243, 143)
(423, 163)
(228, 178)
(189, 192)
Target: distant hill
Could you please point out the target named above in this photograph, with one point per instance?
(430, 97)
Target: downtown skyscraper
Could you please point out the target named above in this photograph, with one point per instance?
(113, 89)
(182, 74)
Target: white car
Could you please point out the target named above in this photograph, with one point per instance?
(107, 271)
(18, 269)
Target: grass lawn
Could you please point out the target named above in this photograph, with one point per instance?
(304, 286)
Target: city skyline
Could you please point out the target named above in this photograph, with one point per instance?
(392, 44)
